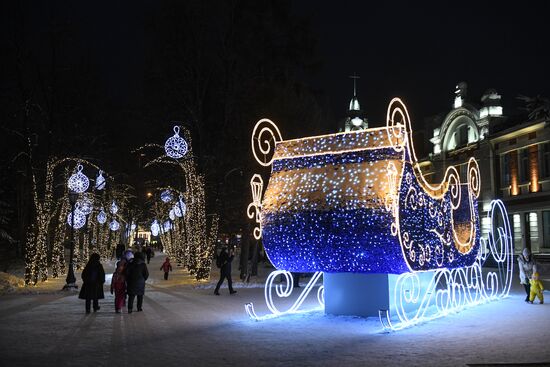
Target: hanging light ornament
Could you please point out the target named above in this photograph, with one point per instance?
(180, 208)
(86, 204)
(133, 227)
(171, 214)
(155, 228)
(78, 182)
(166, 196)
(101, 217)
(167, 226)
(176, 146)
(100, 181)
(79, 219)
(114, 208)
(114, 225)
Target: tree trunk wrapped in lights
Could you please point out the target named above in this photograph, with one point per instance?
(196, 238)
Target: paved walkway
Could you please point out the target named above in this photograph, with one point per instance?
(185, 325)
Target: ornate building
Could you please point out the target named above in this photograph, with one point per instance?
(514, 158)
(356, 119)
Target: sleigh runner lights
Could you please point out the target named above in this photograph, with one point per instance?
(357, 203)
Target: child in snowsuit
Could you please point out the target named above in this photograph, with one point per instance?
(536, 289)
(118, 285)
(166, 267)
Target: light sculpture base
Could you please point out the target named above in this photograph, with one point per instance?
(355, 294)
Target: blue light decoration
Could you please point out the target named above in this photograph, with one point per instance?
(101, 216)
(167, 226)
(176, 146)
(100, 181)
(166, 196)
(171, 214)
(355, 202)
(78, 182)
(114, 225)
(85, 204)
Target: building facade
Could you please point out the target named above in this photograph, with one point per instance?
(513, 154)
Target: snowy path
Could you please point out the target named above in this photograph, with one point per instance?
(187, 326)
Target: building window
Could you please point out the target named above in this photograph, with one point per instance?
(505, 164)
(516, 229)
(546, 228)
(524, 165)
(532, 230)
(545, 152)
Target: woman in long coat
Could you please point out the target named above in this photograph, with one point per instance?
(93, 277)
(527, 267)
(136, 275)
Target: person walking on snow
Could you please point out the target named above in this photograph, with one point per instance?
(93, 277)
(118, 285)
(166, 267)
(136, 275)
(527, 267)
(224, 261)
(536, 289)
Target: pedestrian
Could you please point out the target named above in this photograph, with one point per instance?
(536, 288)
(118, 285)
(93, 277)
(119, 250)
(148, 253)
(527, 267)
(224, 263)
(166, 267)
(136, 275)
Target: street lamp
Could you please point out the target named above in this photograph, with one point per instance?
(71, 279)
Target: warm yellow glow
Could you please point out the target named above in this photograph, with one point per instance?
(534, 168)
(149, 194)
(514, 182)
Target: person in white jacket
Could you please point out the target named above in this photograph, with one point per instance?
(527, 267)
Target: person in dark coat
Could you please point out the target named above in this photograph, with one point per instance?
(136, 275)
(149, 253)
(226, 258)
(119, 250)
(93, 277)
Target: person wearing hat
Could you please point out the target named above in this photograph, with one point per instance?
(527, 267)
(536, 288)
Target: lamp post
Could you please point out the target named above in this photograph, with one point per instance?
(71, 279)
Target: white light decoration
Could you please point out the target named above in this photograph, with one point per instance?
(79, 219)
(166, 196)
(180, 208)
(101, 216)
(284, 291)
(264, 137)
(155, 228)
(176, 146)
(78, 182)
(114, 208)
(114, 225)
(100, 181)
(167, 226)
(254, 208)
(133, 227)
(171, 214)
(356, 121)
(85, 204)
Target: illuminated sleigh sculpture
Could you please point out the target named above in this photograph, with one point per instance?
(357, 202)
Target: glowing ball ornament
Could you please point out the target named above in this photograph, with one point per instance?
(79, 219)
(167, 226)
(85, 205)
(100, 181)
(166, 196)
(171, 214)
(180, 208)
(78, 182)
(114, 225)
(114, 208)
(155, 228)
(102, 217)
(176, 146)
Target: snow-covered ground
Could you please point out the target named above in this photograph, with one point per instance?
(185, 324)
